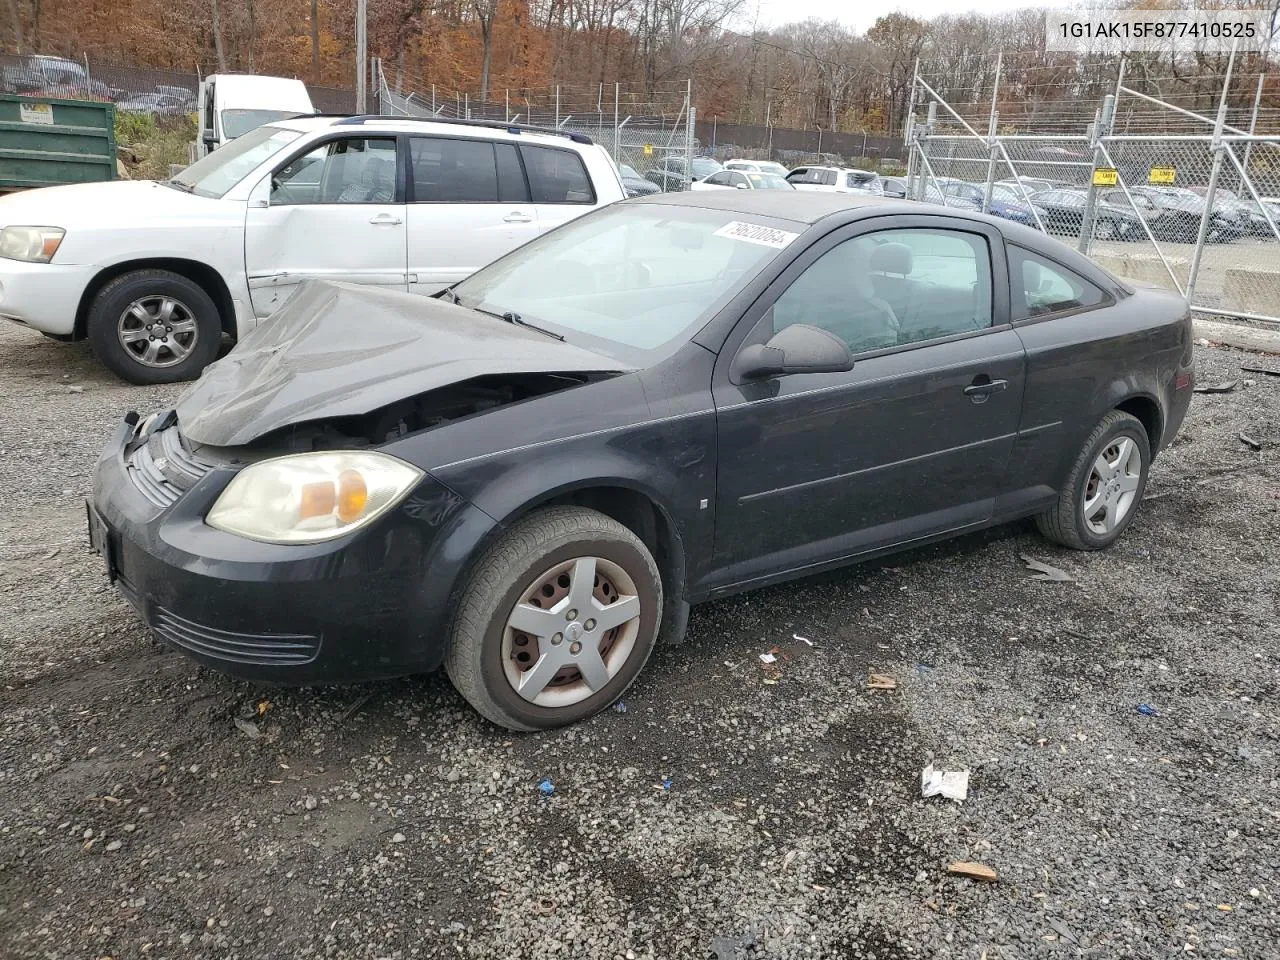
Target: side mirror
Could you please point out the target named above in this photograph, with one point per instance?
(209, 139)
(799, 348)
(741, 186)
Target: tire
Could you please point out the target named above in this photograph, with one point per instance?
(193, 311)
(1066, 523)
(1105, 230)
(483, 658)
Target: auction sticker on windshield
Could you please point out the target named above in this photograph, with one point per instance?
(756, 233)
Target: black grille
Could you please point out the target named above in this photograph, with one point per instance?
(164, 468)
(283, 649)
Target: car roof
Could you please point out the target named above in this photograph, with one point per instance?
(799, 206)
(461, 128)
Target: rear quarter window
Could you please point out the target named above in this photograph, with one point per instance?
(557, 176)
(1042, 287)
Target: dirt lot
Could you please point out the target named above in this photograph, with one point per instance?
(387, 821)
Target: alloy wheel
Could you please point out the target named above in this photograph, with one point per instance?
(158, 331)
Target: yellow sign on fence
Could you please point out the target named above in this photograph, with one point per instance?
(1164, 175)
(1105, 177)
(648, 149)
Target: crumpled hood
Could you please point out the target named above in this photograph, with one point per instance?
(71, 205)
(344, 350)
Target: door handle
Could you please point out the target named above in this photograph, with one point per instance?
(385, 220)
(517, 217)
(983, 386)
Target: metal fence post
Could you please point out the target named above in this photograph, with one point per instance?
(1101, 127)
(617, 147)
(1253, 120)
(991, 137)
(557, 106)
(1212, 188)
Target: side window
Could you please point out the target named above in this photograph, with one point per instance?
(355, 170)
(511, 185)
(720, 179)
(1041, 286)
(894, 287)
(829, 178)
(557, 176)
(738, 180)
(453, 171)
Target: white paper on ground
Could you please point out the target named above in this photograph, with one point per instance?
(947, 783)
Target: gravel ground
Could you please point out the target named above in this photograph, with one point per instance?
(733, 810)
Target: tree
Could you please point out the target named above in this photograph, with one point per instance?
(485, 11)
(901, 38)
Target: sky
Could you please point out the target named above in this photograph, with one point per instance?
(861, 14)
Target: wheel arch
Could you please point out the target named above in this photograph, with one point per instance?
(209, 279)
(1149, 413)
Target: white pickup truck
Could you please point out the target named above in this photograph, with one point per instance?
(154, 274)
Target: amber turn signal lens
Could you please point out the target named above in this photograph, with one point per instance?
(317, 500)
(353, 495)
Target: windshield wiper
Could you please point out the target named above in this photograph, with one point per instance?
(512, 317)
(448, 292)
(179, 185)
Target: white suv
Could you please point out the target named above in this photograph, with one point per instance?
(154, 273)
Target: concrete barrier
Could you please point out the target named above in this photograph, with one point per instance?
(1252, 290)
(1143, 267)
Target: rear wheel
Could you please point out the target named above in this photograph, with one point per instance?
(154, 326)
(557, 620)
(1104, 488)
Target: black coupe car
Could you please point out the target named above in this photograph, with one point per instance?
(672, 399)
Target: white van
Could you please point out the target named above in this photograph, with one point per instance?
(232, 104)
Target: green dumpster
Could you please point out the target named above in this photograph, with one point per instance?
(46, 141)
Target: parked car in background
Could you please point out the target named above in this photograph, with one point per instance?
(158, 104)
(1032, 185)
(742, 180)
(634, 184)
(1062, 211)
(54, 76)
(895, 187)
(670, 173)
(154, 274)
(520, 479)
(1181, 212)
(1247, 214)
(757, 166)
(835, 180)
(1004, 200)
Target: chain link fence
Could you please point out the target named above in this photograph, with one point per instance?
(652, 134)
(1166, 179)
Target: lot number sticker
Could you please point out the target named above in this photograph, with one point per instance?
(648, 149)
(1165, 175)
(755, 233)
(1105, 177)
(36, 113)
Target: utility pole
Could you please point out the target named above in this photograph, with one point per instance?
(362, 54)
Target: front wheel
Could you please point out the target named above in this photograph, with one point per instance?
(1104, 488)
(154, 326)
(557, 620)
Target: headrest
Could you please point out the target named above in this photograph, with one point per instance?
(891, 258)
(1030, 275)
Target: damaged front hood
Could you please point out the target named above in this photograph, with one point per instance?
(338, 350)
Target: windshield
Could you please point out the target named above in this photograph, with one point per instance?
(236, 123)
(628, 279)
(768, 166)
(216, 173)
(628, 172)
(1008, 194)
(767, 181)
(704, 167)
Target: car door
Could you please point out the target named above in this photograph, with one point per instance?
(913, 441)
(559, 185)
(334, 212)
(468, 205)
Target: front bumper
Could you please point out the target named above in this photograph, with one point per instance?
(44, 296)
(372, 604)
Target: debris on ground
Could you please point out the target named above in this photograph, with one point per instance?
(952, 784)
(75, 389)
(733, 948)
(1147, 710)
(619, 707)
(768, 657)
(1226, 386)
(881, 681)
(248, 728)
(1045, 571)
(978, 871)
(546, 788)
(1249, 441)
(666, 784)
(796, 636)
(1269, 371)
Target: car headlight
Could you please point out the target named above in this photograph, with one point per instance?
(32, 244)
(309, 497)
